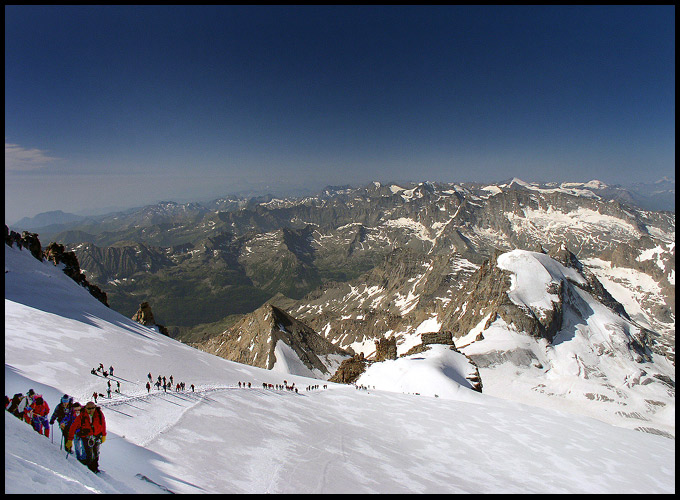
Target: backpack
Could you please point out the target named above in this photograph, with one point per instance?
(16, 399)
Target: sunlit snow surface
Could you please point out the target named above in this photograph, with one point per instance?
(223, 439)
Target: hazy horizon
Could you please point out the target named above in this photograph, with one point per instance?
(124, 106)
(293, 192)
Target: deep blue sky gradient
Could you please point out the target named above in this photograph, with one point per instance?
(134, 104)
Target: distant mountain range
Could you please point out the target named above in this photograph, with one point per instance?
(659, 195)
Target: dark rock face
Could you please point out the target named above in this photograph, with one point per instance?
(385, 349)
(350, 370)
(144, 316)
(56, 254)
(25, 240)
(440, 337)
(12, 238)
(427, 339)
(32, 242)
(565, 257)
(121, 261)
(484, 294)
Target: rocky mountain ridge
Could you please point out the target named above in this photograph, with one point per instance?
(255, 340)
(56, 254)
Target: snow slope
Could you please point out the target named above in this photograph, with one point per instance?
(224, 439)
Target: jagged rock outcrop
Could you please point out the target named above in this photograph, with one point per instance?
(441, 337)
(385, 348)
(350, 369)
(427, 339)
(144, 316)
(24, 240)
(564, 256)
(254, 338)
(12, 237)
(486, 293)
(32, 242)
(475, 379)
(56, 254)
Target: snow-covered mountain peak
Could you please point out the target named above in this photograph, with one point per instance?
(564, 338)
(535, 278)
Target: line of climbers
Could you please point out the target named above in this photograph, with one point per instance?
(32, 409)
(280, 387)
(315, 387)
(85, 425)
(166, 383)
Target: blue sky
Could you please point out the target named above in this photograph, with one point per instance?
(128, 105)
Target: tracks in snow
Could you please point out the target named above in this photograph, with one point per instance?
(147, 416)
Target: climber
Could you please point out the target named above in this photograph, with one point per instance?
(28, 411)
(71, 415)
(16, 407)
(40, 409)
(61, 409)
(92, 427)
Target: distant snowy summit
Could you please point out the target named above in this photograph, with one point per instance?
(573, 188)
(594, 184)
